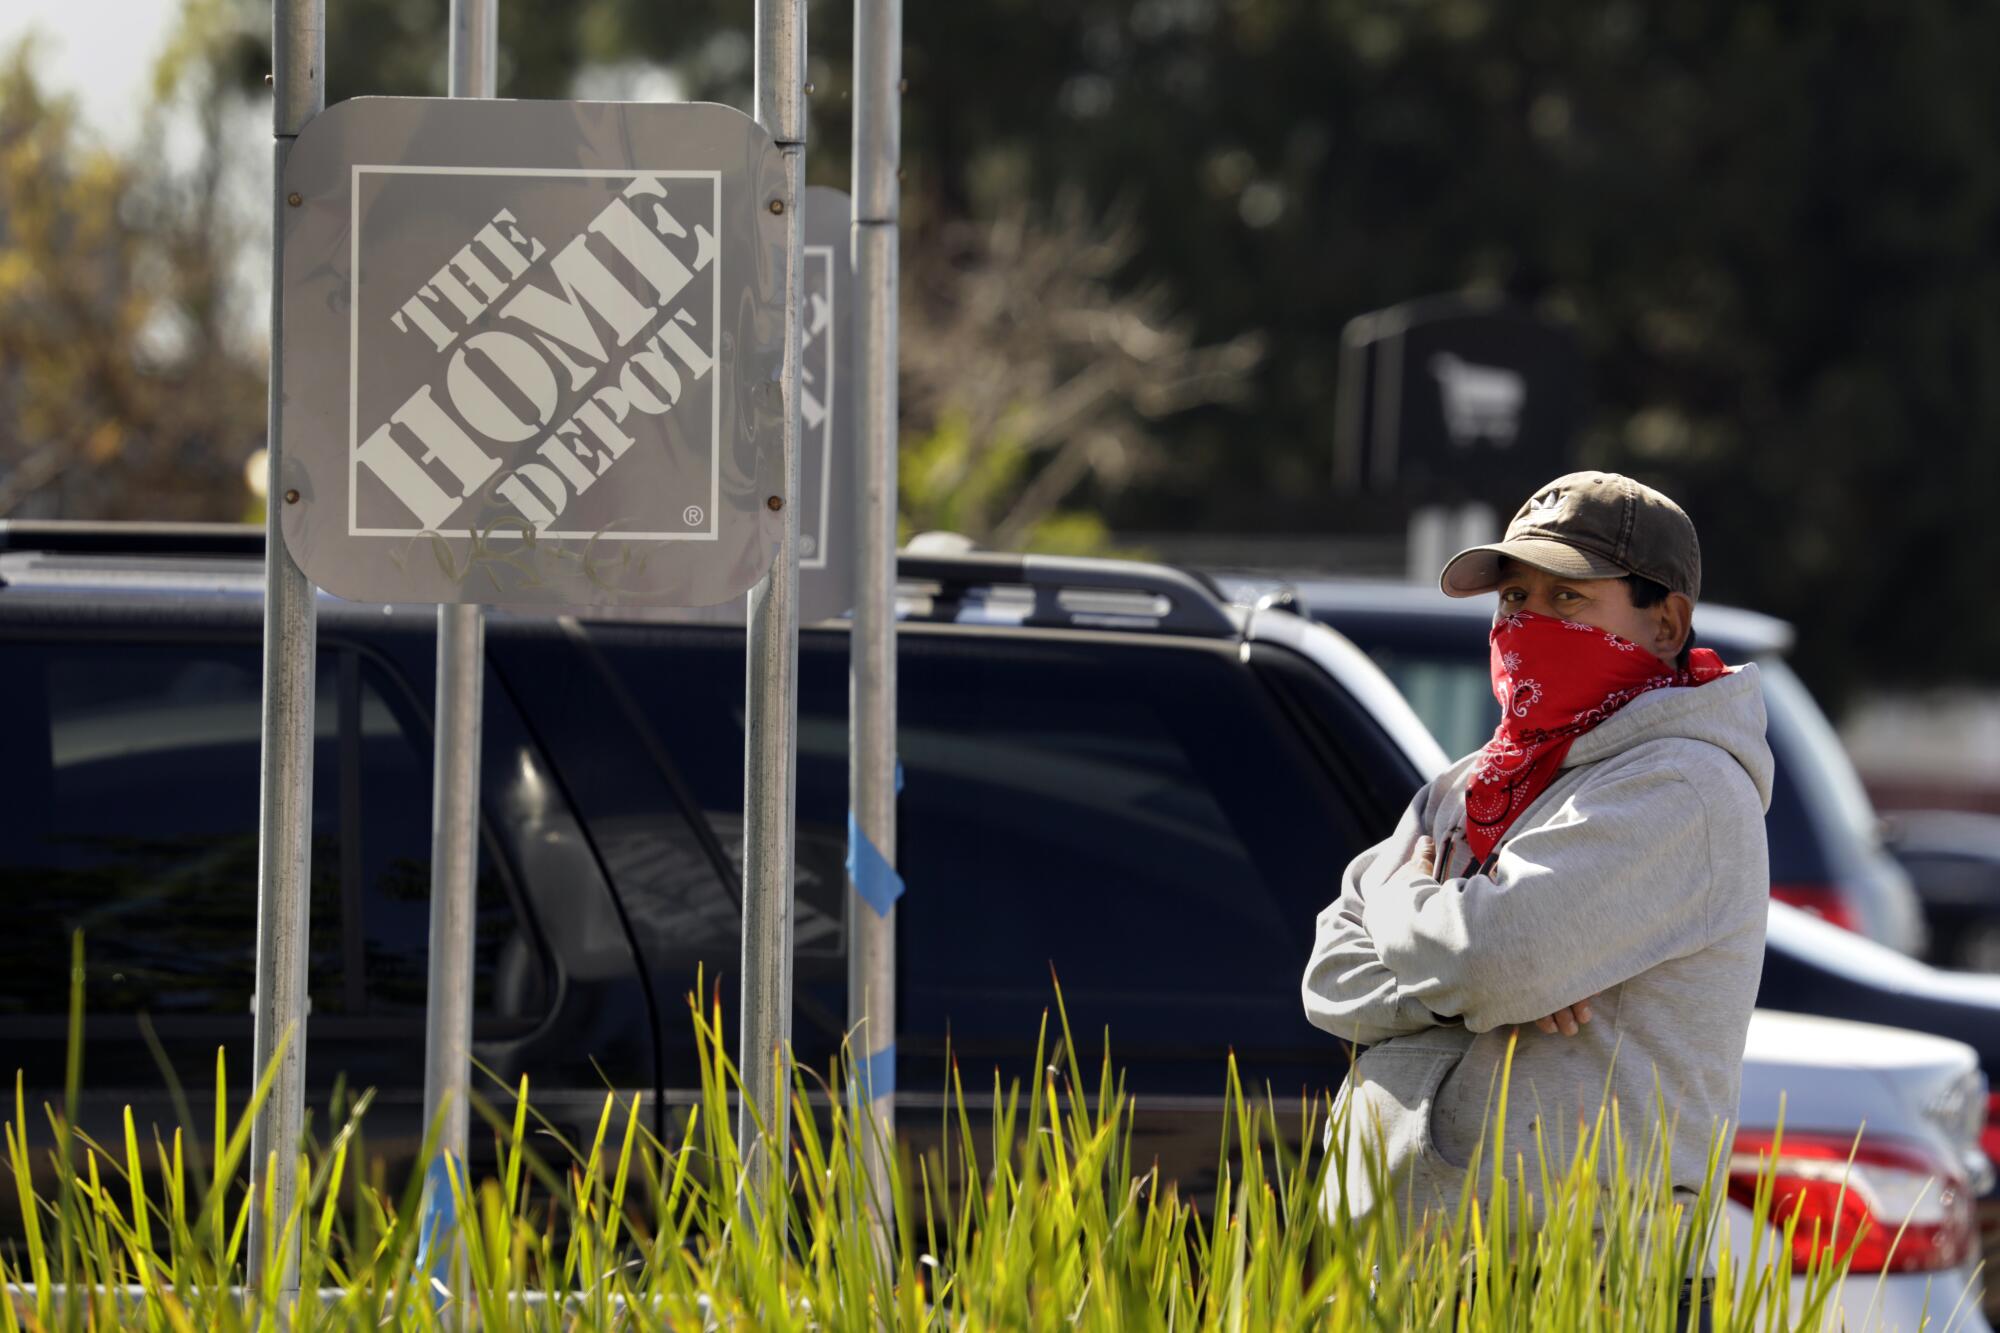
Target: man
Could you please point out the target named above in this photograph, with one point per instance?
(1593, 879)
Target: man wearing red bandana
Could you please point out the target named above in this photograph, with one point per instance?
(1592, 882)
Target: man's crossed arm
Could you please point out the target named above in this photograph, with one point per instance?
(1570, 908)
(1565, 1020)
(1348, 990)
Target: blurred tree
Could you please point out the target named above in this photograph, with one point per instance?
(127, 388)
(1776, 226)
(1028, 377)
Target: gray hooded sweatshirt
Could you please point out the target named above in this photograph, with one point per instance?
(1639, 876)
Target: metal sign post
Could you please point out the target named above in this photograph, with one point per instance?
(1438, 532)
(284, 832)
(871, 957)
(771, 690)
(461, 673)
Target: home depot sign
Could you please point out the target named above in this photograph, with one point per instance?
(531, 352)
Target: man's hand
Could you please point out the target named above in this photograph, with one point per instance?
(1567, 1020)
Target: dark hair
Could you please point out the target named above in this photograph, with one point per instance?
(1646, 593)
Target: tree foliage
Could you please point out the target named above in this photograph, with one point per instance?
(126, 390)
(1028, 375)
(1775, 226)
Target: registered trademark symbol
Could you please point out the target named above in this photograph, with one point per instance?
(693, 515)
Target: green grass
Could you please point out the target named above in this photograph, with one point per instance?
(1038, 1218)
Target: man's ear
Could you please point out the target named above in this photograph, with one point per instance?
(1675, 618)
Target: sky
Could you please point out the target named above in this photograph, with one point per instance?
(100, 51)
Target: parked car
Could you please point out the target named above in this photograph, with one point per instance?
(1953, 858)
(1107, 770)
(1813, 967)
(1916, 1168)
(1827, 855)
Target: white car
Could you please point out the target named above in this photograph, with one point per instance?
(1917, 1103)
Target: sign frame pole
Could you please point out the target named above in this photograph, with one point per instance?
(461, 661)
(872, 764)
(1428, 545)
(770, 733)
(284, 833)
(1437, 532)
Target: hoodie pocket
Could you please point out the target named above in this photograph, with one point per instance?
(1384, 1114)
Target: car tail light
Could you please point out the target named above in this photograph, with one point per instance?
(1822, 900)
(1887, 1184)
(1989, 1138)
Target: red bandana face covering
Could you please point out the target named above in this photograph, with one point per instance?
(1555, 680)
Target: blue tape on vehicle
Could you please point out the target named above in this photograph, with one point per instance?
(899, 777)
(874, 878)
(877, 1074)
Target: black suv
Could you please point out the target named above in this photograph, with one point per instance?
(1108, 773)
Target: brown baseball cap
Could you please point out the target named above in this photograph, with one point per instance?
(1589, 525)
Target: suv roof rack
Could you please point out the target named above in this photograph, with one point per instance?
(1055, 592)
(1032, 591)
(1251, 590)
(68, 537)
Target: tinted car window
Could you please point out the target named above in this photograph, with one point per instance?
(131, 786)
(1139, 817)
(1142, 817)
(1438, 663)
(654, 785)
(131, 793)
(652, 761)
(385, 853)
(1374, 774)
(1453, 695)
(1797, 856)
